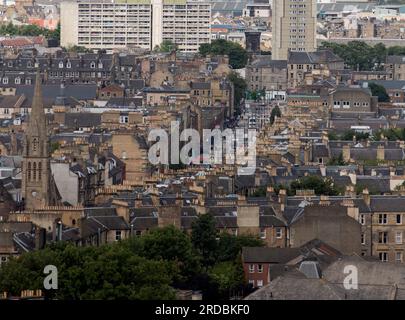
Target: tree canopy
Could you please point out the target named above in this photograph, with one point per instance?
(348, 136)
(358, 55)
(106, 272)
(238, 56)
(321, 186)
(29, 30)
(151, 266)
(240, 86)
(276, 112)
(393, 134)
(166, 46)
(380, 92)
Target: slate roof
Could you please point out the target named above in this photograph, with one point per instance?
(200, 85)
(320, 151)
(375, 184)
(321, 56)
(295, 286)
(388, 84)
(99, 211)
(396, 59)
(51, 92)
(82, 119)
(269, 255)
(270, 221)
(124, 102)
(91, 224)
(267, 62)
(226, 222)
(387, 204)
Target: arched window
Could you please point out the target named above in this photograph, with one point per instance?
(35, 144)
(29, 171)
(34, 171)
(39, 171)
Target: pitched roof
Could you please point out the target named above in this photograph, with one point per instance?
(269, 255)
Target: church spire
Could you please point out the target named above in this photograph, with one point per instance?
(36, 176)
(37, 122)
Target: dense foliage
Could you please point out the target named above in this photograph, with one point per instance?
(151, 266)
(276, 112)
(337, 161)
(358, 55)
(238, 56)
(320, 185)
(380, 92)
(393, 134)
(166, 46)
(29, 30)
(239, 89)
(348, 136)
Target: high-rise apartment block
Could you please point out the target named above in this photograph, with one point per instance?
(294, 27)
(102, 24)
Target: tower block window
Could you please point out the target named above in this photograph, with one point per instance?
(34, 166)
(39, 171)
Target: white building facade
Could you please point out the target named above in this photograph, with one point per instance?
(102, 24)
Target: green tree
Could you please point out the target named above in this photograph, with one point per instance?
(230, 246)
(276, 112)
(30, 30)
(77, 49)
(238, 56)
(260, 192)
(254, 95)
(239, 89)
(358, 55)
(169, 244)
(106, 272)
(392, 134)
(204, 238)
(349, 134)
(321, 186)
(228, 276)
(380, 55)
(56, 32)
(332, 136)
(166, 46)
(396, 51)
(337, 161)
(380, 92)
(55, 146)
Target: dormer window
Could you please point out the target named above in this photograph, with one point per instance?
(10, 64)
(5, 80)
(100, 65)
(60, 64)
(28, 81)
(92, 65)
(29, 64)
(17, 80)
(68, 65)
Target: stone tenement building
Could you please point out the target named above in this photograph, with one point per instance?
(99, 68)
